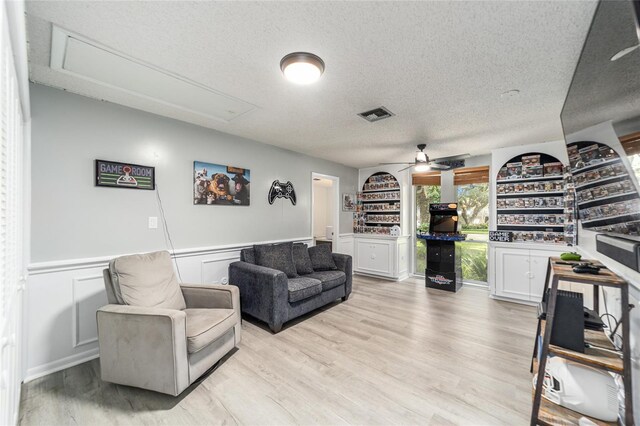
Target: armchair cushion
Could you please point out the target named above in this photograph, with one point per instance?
(276, 256)
(146, 280)
(204, 326)
(329, 279)
(302, 288)
(302, 259)
(322, 258)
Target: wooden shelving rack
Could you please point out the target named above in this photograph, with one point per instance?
(545, 412)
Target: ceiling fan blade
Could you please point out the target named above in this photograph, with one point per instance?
(437, 166)
(402, 170)
(386, 164)
(452, 158)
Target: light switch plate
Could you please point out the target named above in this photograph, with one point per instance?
(153, 222)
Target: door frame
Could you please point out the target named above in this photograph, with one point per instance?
(337, 206)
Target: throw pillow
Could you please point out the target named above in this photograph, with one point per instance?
(302, 259)
(276, 256)
(321, 258)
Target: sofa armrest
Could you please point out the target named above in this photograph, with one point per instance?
(263, 291)
(211, 296)
(143, 347)
(344, 262)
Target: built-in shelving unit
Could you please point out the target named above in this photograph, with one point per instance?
(607, 199)
(530, 199)
(378, 207)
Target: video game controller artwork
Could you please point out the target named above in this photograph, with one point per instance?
(282, 190)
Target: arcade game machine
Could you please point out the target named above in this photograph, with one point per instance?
(444, 270)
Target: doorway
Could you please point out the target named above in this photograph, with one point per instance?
(325, 207)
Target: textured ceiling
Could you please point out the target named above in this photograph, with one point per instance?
(439, 66)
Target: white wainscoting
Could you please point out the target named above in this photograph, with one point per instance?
(62, 298)
(345, 244)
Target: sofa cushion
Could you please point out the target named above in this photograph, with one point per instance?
(205, 326)
(322, 258)
(146, 280)
(276, 256)
(302, 259)
(248, 255)
(303, 287)
(329, 279)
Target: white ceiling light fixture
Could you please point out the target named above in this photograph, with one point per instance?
(302, 67)
(423, 167)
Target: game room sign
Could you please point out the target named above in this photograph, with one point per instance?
(125, 175)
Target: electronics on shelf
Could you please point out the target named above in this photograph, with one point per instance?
(581, 388)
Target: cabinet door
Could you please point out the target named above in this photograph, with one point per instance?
(538, 267)
(512, 273)
(374, 257)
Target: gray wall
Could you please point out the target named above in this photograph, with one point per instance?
(72, 218)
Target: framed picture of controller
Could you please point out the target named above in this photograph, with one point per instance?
(215, 184)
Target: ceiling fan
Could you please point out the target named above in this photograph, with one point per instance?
(422, 162)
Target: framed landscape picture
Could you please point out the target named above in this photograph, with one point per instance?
(215, 184)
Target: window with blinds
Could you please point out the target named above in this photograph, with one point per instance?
(427, 178)
(11, 150)
(631, 143)
(471, 175)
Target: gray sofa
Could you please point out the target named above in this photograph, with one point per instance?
(160, 335)
(269, 295)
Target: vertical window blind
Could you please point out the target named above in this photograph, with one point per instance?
(11, 146)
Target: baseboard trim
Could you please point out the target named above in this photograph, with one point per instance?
(518, 301)
(383, 277)
(61, 364)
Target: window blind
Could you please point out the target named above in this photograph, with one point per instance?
(469, 175)
(631, 143)
(427, 178)
(11, 146)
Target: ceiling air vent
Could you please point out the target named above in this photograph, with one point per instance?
(376, 114)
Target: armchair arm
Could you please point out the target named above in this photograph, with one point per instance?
(263, 292)
(344, 263)
(143, 347)
(211, 296)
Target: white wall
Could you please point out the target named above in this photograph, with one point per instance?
(74, 219)
(77, 227)
(322, 216)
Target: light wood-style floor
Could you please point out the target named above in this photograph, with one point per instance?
(394, 353)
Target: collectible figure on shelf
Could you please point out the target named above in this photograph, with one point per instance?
(553, 169)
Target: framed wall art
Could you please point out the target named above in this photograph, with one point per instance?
(125, 175)
(348, 202)
(216, 184)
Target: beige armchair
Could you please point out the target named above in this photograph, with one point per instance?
(157, 334)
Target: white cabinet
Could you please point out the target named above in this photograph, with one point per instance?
(518, 272)
(381, 256)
